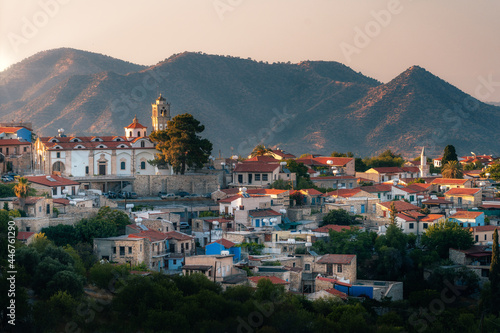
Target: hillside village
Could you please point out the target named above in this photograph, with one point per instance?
(270, 216)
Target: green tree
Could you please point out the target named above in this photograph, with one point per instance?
(281, 184)
(21, 190)
(449, 154)
(62, 234)
(119, 218)
(88, 229)
(495, 273)
(337, 154)
(386, 159)
(493, 171)
(394, 213)
(180, 145)
(106, 276)
(452, 169)
(348, 241)
(339, 217)
(443, 235)
(260, 150)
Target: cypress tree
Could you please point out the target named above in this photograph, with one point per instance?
(495, 274)
(449, 154)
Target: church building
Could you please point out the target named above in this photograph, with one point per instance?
(112, 158)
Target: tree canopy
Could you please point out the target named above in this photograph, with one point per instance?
(260, 150)
(339, 217)
(444, 235)
(179, 144)
(452, 169)
(449, 154)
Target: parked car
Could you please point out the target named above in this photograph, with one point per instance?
(168, 196)
(184, 225)
(132, 195)
(110, 195)
(122, 195)
(182, 194)
(194, 195)
(207, 195)
(7, 178)
(161, 193)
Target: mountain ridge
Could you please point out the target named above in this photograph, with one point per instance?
(317, 106)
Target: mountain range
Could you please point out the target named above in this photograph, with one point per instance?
(309, 107)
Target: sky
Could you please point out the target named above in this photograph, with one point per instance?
(457, 40)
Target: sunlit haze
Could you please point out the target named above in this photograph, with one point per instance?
(456, 40)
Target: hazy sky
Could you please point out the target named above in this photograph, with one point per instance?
(458, 40)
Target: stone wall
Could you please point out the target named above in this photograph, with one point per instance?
(37, 224)
(200, 184)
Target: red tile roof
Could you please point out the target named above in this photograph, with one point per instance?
(61, 201)
(274, 279)
(10, 129)
(30, 200)
(152, 235)
(224, 242)
(449, 181)
(255, 167)
(309, 191)
(59, 181)
(263, 213)
(432, 218)
(463, 214)
(405, 217)
(13, 142)
(282, 154)
(462, 191)
(24, 235)
(180, 236)
(437, 201)
(337, 259)
(401, 206)
(483, 228)
(344, 193)
(337, 293)
(334, 227)
(377, 188)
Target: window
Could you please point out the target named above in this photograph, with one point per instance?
(411, 225)
(130, 250)
(187, 246)
(28, 229)
(374, 207)
(240, 179)
(54, 191)
(484, 237)
(130, 133)
(143, 165)
(122, 165)
(122, 250)
(58, 154)
(425, 225)
(350, 185)
(257, 177)
(412, 198)
(307, 267)
(389, 196)
(1, 150)
(143, 144)
(342, 185)
(25, 149)
(86, 170)
(339, 268)
(114, 249)
(264, 177)
(352, 209)
(174, 261)
(477, 238)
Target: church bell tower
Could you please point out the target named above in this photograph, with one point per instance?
(160, 114)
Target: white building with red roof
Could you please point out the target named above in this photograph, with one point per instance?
(56, 186)
(260, 174)
(465, 197)
(87, 156)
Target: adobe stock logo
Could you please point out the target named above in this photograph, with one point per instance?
(31, 26)
(373, 28)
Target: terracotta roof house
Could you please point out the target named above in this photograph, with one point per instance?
(337, 165)
(465, 197)
(219, 246)
(468, 218)
(260, 174)
(483, 235)
(56, 186)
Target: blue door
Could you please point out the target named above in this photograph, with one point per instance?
(362, 209)
(257, 223)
